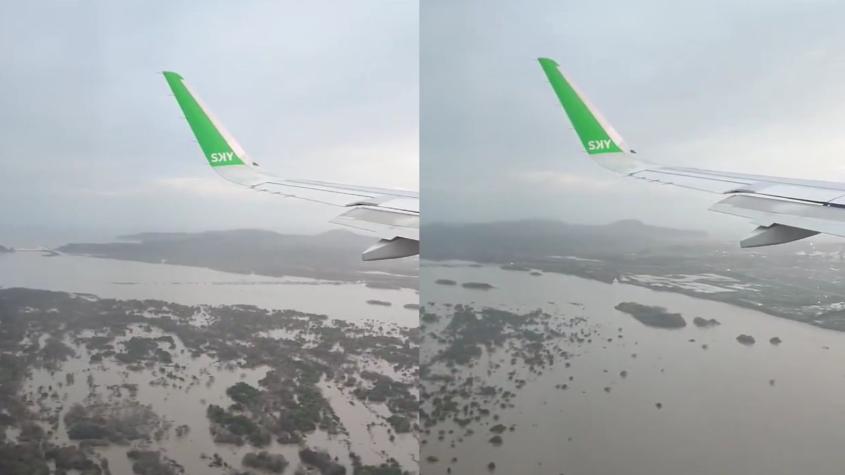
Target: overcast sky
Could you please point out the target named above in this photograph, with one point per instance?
(94, 144)
(755, 87)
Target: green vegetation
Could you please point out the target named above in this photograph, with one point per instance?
(652, 316)
(23, 459)
(55, 351)
(456, 391)
(428, 317)
(87, 430)
(148, 462)
(322, 462)
(391, 467)
(400, 424)
(243, 393)
(498, 428)
(746, 339)
(119, 422)
(286, 405)
(477, 285)
(275, 463)
(238, 425)
(139, 349)
(705, 322)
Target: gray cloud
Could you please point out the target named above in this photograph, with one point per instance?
(742, 86)
(93, 141)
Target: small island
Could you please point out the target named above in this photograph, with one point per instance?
(705, 322)
(477, 285)
(652, 316)
(745, 339)
(515, 267)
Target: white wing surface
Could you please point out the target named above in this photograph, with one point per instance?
(392, 215)
(784, 209)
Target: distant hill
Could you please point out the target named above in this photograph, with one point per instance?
(5, 249)
(513, 240)
(334, 255)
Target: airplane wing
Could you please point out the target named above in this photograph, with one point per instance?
(392, 215)
(784, 209)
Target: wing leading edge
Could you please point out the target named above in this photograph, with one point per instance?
(784, 209)
(392, 215)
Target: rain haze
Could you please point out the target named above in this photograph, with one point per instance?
(95, 145)
(108, 201)
(753, 87)
(555, 348)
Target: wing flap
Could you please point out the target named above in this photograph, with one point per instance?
(768, 211)
(387, 224)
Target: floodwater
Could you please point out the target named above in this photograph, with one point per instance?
(185, 402)
(726, 408)
(109, 278)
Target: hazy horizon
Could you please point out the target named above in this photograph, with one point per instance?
(96, 146)
(752, 87)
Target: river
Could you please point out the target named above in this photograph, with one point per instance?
(109, 278)
(726, 408)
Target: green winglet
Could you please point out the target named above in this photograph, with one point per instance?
(210, 136)
(587, 123)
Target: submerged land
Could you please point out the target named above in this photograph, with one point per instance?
(492, 372)
(475, 365)
(87, 383)
(500, 371)
(801, 281)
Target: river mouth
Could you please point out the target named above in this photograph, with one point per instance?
(628, 397)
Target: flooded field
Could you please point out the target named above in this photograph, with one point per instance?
(90, 367)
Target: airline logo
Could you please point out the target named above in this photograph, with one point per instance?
(600, 145)
(223, 158)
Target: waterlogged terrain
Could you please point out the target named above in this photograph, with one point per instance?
(132, 367)
(198, 286)
(544, 373)
(157, 387)
(801, 281)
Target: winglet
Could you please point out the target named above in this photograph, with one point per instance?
(600, 140)
(596, 134)
(218, 146)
